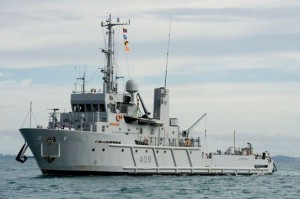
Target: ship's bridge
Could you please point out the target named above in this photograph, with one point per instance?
(88, 102)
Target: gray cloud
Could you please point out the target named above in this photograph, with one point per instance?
(212, 45)
(227, 14)
(10, 19)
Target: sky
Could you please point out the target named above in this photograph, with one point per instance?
(236, 60)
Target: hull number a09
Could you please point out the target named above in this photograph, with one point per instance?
(145, 159)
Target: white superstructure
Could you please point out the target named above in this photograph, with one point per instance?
(110, 132)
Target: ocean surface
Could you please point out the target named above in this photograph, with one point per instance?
(26, 181)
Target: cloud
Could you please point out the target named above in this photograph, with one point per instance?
(249, 107)
(288, 59)
(228, 13)
(71, 37)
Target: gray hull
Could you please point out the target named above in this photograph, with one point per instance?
(78, 152)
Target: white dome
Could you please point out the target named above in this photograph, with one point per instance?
(131, 86)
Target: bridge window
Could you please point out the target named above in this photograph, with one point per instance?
(81, 108)
(88, 108)
(95, 107)
(75, 107)
(102, 108)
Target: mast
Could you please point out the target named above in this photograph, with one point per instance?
(234, 142)
(168, 53)
(108, 83)
(83, 83)
(30, 114)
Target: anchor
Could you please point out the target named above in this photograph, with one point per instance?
(21, 157)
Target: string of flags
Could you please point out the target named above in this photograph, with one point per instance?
(126, 43)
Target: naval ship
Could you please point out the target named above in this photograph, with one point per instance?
(108, 132)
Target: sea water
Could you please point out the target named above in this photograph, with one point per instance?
(26, 181)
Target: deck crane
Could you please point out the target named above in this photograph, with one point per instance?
(187, 132)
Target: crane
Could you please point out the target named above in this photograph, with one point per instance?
(187, 132)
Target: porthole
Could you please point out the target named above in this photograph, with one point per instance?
(146, 151)
(103, 149)
(165, 151)
(136, 151)
(122, 150)
(157, 151)
(93, 149)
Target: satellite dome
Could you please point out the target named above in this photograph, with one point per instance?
(131, 86)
